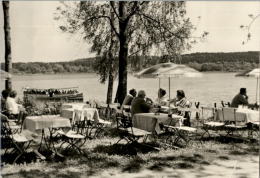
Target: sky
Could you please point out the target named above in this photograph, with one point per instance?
(36, 37)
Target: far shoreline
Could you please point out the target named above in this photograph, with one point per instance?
(93, 73)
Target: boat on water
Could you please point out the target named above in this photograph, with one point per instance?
(70, 94)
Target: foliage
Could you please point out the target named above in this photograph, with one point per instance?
(138, 28)
(149, 24)
(35, 109)
(236, 61)
(248, 27)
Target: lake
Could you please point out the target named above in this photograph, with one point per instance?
(212, 87)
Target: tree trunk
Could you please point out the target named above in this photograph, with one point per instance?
(111, 67)
(123, 53)
(110, 87)
(7, 33)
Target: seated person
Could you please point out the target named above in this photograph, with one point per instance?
(5, 94)
(161, 100)
(240, 99)
(129, 98)
(15, 110)
(182, 102)
(139, 105)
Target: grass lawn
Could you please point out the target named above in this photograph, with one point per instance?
(103, 158)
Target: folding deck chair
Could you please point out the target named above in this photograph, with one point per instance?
(209, 122)
(127, 131)
(108, 112)
(98, 124)
(17, 142)
(253, 130)
(235, 122)
(77, 136)
(183, 134)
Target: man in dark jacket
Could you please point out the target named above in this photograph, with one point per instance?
(240, 99)
(139, 105)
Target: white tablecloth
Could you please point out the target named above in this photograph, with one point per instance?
(240, 115)
(150, 122)
(34, 123)
(81, 114)
(251, 115)
(74, 105)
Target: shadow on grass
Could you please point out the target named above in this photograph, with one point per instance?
(182, 162)
(42, 174)
(224, 139)
(134, 165)
(34, 173)
(97, 161)
(124, 149)
(248, 149)
(8, 158)
(223, 157)
(112, 132)
(30, 157)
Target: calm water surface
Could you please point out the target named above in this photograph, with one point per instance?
(212, 87)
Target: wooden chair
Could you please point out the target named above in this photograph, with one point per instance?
(253, 130)
(225, 104)
(127, 131)
(234, 121)
(180, 135)
(183, 135)
(18, 142)
(99, 125)
(108, 112)
(76, 137)
(209, 122)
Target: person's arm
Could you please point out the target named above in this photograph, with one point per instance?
(164, 102)
(149, 100)
(145, 106)
(243, 100)
(173, 101)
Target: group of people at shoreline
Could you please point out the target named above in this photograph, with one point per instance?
(141, 104)
(50, 92)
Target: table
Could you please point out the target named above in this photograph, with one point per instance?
(89, 113)
(250, 115)
(40, 123)
(74, 105)
(34, 123)
(238, 114)
(150, 122)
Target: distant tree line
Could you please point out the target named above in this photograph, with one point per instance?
(226, 62)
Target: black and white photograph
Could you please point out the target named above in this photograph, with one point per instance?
(133, 89)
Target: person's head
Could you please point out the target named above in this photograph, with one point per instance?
(5, 93)
(13, 94)
(180, 94)
(132, 92)
(161, 93)
(141, 94)
(242, 91)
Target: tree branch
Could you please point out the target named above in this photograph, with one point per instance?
(107, 17)
(134, 9)
(160, 25)
(114, 10)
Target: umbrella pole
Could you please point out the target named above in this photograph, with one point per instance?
(158, 90)
(256, 89)
(169, 94)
